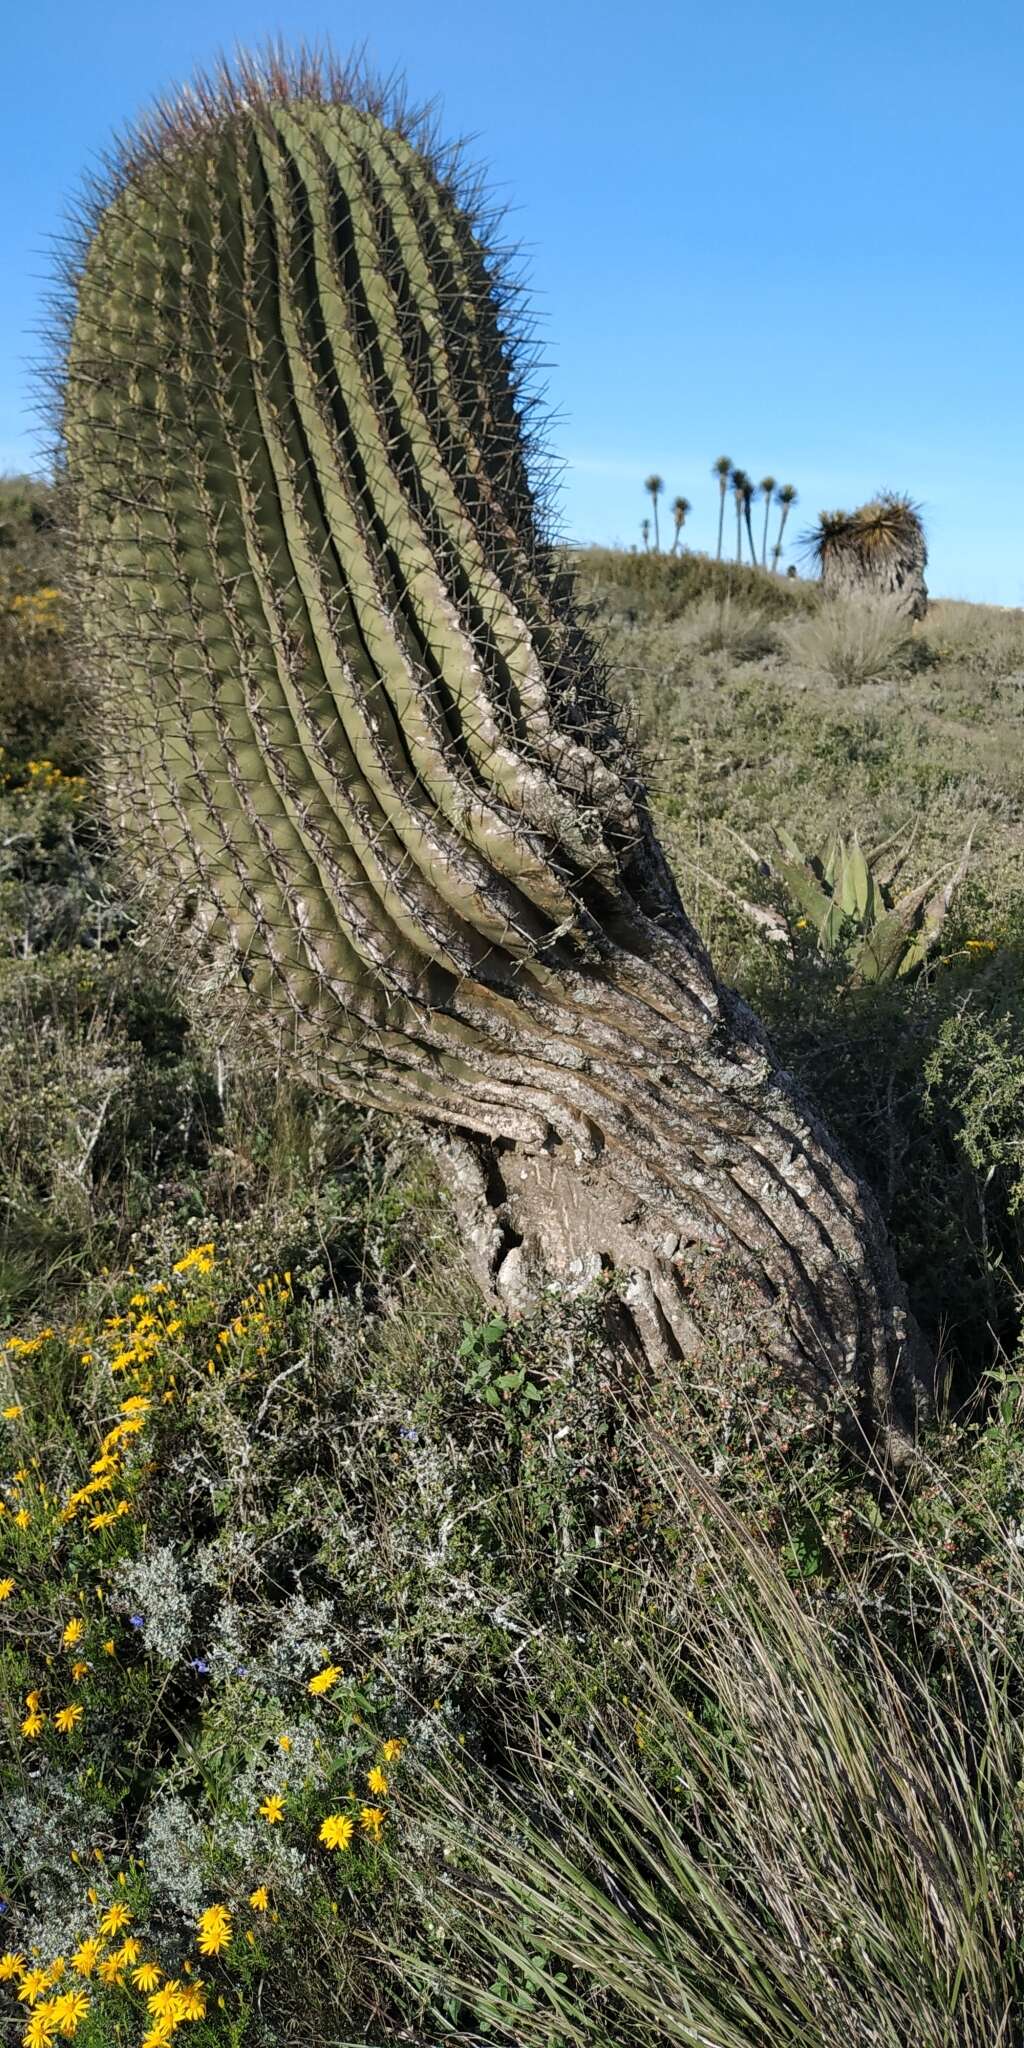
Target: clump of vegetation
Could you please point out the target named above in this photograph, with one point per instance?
(853, 639)
(777, 1772)
(846, 897)
(879, 550)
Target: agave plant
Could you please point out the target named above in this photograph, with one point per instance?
(848, 897)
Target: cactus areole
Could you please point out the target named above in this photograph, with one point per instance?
(358, 747)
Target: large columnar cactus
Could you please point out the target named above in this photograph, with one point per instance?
(358, 746)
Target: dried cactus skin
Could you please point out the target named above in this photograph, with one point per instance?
(356, 742)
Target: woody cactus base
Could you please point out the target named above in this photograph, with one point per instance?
(357, 745)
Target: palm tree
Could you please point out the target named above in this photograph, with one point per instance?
(645, 528)
(766, 488)
(722, 469)
(785, 496)
(680, 508)
(748, 499)
(655, 484)
(739, 481)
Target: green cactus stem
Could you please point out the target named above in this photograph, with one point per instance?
(358, 747)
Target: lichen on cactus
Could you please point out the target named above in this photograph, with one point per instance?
(358, 745)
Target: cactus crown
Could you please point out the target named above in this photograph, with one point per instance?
(351, 730)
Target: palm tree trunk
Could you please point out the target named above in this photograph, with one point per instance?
(764, 537)
(721, 521)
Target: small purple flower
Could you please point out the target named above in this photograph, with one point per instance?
(411, 1436)
(199, 1664)
(137, 1620)
(241, 1671)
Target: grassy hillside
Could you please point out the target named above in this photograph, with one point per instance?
(374, 1669)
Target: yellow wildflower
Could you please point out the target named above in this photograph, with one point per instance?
(377, 1781)
(372, 1818)
(272, 1808)
(201, 1260)
(69, 2011)
(214, 1930)
(86, 1956)
(158, 2035)
(325, 1679)
(73, 1633)
(336, 1831)
(258, 1899)
(12, 1413)
(102, 1521)
(392, 1748)
(79, 1670)
(111, 1971)
(115, 1917)
(32, 1986)
(192, 2003)
(40, 2030)
(33, 1724)
(128, 1952)
(68, 1717)
(6, 1588)
(108, 1647)
(22, 1518)
(284, 1742)
(146, 1977)
(11, 1965)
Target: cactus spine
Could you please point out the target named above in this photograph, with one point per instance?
(359, 747)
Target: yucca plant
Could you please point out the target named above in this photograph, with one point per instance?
(878, 550)
(654, 485)
(767, 490)
(785, 498)
(722, 469)
(680, 508)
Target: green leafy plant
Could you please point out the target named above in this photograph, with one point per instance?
(489, 1378)
(847, 897)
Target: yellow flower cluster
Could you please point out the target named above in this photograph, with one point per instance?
(170, 2001)
(38, 611)
(31, 778)
(253, 1318)
(200, 1260)
(337, 1830)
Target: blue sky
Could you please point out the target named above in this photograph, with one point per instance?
(786, 233)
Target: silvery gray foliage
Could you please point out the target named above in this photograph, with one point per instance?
(156, 1590)
(41, 1827)
(305, 1634)
(173, 1867)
